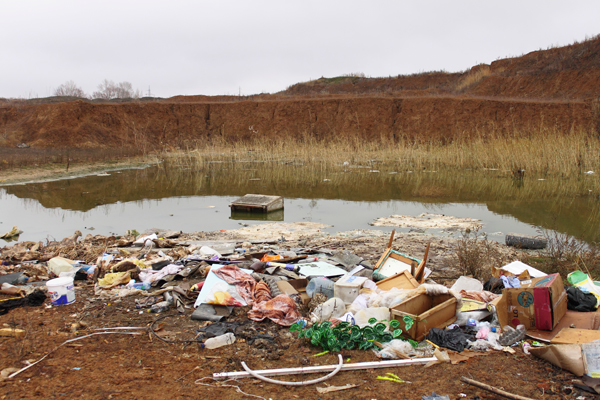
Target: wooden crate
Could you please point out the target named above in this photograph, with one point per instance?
(403, 280)
(257, 203)
(427, 312)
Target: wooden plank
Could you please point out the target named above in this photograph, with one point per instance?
(420, 274)
(386, 252)
(403, 280)
(391, 239)
(14, 332)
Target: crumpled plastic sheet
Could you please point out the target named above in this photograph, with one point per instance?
(115, 292)
(149, 275)
(483, 296)
(244, 282)
(577, 300)
(114, 277)
(394, 349)
(262, 292)
(34, 299)
(281, 309)
(454, 339)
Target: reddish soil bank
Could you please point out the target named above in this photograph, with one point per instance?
(550, 90)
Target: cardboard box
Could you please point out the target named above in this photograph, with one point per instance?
(538, 305)
(300, 286)
(427, 312)
(286, 288)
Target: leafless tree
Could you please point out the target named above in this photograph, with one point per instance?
(109, 90)
(69, 88)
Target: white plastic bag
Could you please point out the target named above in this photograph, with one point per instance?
(394, 349)
(209, 252)
(380, 313)
(332, 308)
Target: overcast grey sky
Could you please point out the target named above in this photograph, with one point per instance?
(253, 46)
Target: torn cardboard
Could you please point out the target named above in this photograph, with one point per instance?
(538, 305)
(580, 359)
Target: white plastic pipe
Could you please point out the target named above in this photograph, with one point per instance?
(300, 383)
(323, 368)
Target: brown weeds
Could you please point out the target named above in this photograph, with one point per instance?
(475, 255)
(544, 152)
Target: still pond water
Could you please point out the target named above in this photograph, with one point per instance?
(348, 198)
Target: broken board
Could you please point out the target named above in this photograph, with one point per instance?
(257, 203)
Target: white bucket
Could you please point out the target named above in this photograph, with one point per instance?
(61, 290)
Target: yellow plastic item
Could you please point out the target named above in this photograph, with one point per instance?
(391, 377)
(113, 277)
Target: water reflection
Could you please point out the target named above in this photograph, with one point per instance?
(349, 198)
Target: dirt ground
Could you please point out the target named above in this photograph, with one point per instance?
(142, 366)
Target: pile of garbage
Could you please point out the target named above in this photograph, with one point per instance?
(330, 299)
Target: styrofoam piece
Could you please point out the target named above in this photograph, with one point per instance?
(320, 268)
(517, 268)
(466, 283)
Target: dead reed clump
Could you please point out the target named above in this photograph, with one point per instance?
(565, 254)
(544, 152)
(475, 255)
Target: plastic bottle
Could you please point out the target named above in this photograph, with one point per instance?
(478, 325)
(138, 285)
(218, 341)
(141, 285)
(320, 285)
(289, 267)
(308, 260)
(160, 307)
(163, 305)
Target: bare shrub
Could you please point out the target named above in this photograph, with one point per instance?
(108, 90)
(475, 255)
(562, 247)
(565, 253)
(69, 88)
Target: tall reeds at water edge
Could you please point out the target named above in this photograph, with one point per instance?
(541, 153)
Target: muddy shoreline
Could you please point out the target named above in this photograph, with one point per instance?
(53, 172)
